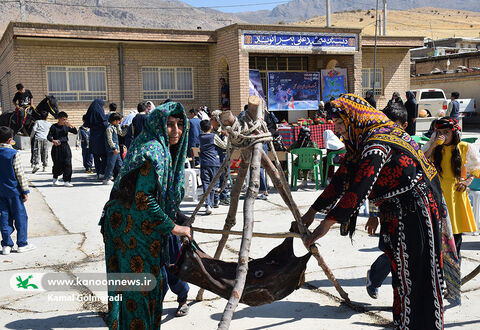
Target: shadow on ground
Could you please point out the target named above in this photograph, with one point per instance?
(79, 320)
(358, 282)
(290, 311)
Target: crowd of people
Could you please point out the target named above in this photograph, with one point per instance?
(418, 197)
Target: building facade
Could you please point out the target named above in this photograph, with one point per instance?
(452, 73)
(127, 65)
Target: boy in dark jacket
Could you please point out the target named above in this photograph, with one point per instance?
(84, 139)
(13, 194)
(61, 153)
(209, 161)
(114, 161)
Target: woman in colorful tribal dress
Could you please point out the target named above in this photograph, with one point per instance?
(384, 164)
(140, 215)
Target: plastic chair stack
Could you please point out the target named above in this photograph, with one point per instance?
(475, 197)
(306, 160)
(191, 186)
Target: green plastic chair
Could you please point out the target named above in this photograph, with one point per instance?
(306, 160)
(330, 162)
(470, 139)
(421, 140)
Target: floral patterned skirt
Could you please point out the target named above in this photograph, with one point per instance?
(133, 247)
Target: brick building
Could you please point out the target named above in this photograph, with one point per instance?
(452, 73)
(127, 65)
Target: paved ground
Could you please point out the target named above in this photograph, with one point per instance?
(63, 225)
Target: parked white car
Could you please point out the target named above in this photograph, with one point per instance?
(468, 107)
(432, 100)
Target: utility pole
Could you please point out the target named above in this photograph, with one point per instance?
(22, 10)
(384, 17)
(329, 13)
(375, 50)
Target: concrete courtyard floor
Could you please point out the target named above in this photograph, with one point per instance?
(63, 226)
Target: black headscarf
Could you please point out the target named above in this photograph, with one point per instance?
(95, 116)
(370, 98)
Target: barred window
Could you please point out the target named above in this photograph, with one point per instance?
(167, 83)
(77, 83)
(367, 81)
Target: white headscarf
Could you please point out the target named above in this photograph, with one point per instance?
(127, 121)
(150, 103)
(332, 142)
(202, 113)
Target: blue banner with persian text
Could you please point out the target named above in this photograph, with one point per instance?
(305, 41)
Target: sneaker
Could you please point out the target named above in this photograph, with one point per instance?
(208, 210)
(68, 184)
(216, 204)
(6, 250)
(371, 290)
(182, 310)
(44, 169)
(35, 169)
(262, 197)
(107, 182)
(26, 248)
(56, 182)
(225, 202)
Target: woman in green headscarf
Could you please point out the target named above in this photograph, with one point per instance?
(141, 214)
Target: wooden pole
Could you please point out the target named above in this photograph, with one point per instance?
(232, 210)
(248, 217)
(276, 174)
(239, 233)
(474, 273)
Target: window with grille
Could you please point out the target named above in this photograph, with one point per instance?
(368, 79)
(77, 83)
(167, 83)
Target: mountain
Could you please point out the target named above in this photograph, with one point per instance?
(297, 10)
(126, 13)
(426, 22)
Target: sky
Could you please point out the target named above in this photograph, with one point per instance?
(245, 5)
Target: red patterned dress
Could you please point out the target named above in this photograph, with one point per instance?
(396, 182)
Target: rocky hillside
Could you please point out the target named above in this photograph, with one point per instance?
(297, 10)
(137, 13)
(426, 22)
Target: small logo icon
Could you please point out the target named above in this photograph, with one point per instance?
(23, 284)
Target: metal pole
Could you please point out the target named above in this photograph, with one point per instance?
(375, 50)
(329, 13)
(22, 10)
(379, 25)
(122, 77)
(9, 101)
(384, 17)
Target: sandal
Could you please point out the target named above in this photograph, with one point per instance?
(182, 310)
